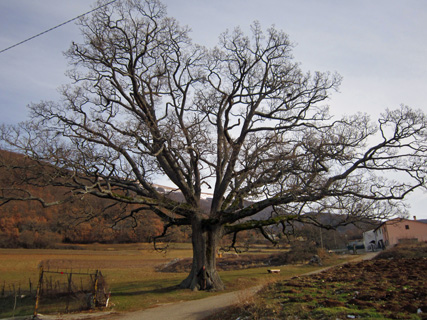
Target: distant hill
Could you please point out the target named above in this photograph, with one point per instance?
(28, 224)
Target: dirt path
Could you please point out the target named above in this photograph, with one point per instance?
(188, 310)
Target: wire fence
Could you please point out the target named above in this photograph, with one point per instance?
(55, 291)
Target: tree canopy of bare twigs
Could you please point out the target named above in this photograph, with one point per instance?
(241, 120)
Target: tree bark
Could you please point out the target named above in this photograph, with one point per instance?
(205, 243)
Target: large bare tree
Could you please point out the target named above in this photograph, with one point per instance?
(242, 119)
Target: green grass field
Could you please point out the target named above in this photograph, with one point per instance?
(130, 272)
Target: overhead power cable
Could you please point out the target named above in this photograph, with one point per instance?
(59, 25)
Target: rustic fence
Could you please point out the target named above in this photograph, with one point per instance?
(17, 298)
(55, 291)
(16, 289)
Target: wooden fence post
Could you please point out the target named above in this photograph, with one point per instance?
(39, 287)
(68, 291)
(15, 295)
(95, 289)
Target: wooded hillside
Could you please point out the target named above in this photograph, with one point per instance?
(83, 220)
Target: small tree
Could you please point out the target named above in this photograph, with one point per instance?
(241, 119)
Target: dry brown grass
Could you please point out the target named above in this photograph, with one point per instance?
(121, 265)
(130, 271)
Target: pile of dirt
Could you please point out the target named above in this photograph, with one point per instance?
(408, 251)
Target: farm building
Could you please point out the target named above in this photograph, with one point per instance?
(395, 231)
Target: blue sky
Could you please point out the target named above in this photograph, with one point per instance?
(379, 47)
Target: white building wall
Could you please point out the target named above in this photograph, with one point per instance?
(369, 236)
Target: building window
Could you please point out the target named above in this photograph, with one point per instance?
(407, 227)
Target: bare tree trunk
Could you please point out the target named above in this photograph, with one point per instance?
(204, 254)
(213, 237)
